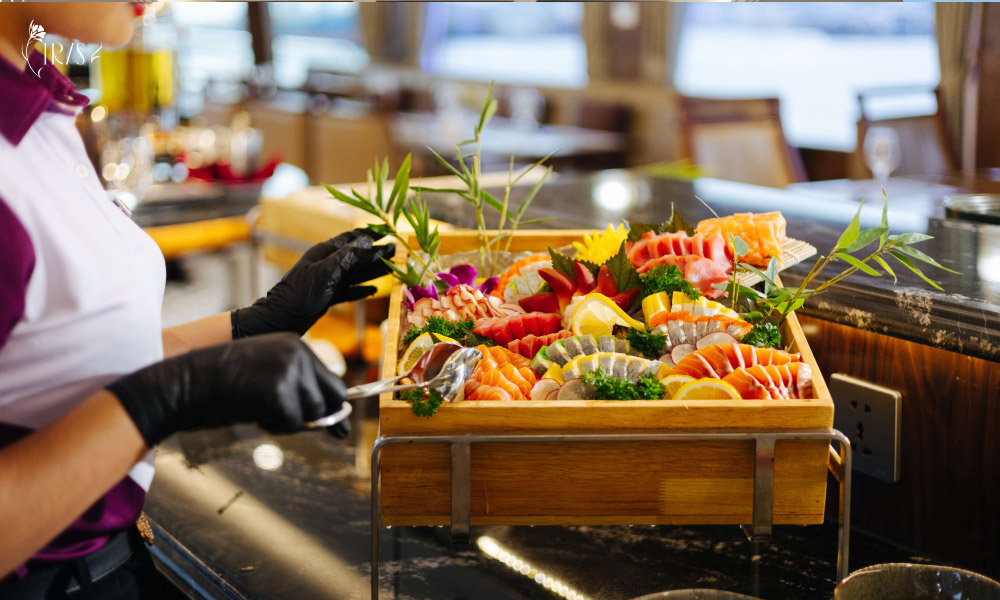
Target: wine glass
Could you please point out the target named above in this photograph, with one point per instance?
(882, 152)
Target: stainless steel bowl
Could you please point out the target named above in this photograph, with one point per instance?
(901, 581)
(697, 595)
(984, 208)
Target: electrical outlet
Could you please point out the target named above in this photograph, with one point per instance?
(869, 415)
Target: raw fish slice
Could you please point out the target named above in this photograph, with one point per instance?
(557, 354)
(528, 375)
(748, 387)
(489, 392)
(511, 374)
(651, 368)
(803, 379)
(708, 362)
(621, 346)
(763, 375)
(634, 367)
(496, 379)
(605, 361)
(589, 344)
(734, 355)
(619, 365)
(606, 343)
(573, 347)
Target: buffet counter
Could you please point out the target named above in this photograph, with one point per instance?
(241, 514)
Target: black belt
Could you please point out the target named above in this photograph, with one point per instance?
(73, 574)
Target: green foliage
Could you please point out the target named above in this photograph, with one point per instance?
(763, 335)
(456, 330)
(562, 263)
(388, 207)
(776, 303)
(619, 388)
(423, 403)
(672, 225)
(490, 245)
(666, 278)
(624, 273)
(474, 339)
(647, 343)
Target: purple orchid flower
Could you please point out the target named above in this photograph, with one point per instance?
(457, 275)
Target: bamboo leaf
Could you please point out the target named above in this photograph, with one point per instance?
(531, 222)
(902, 258)
(866, 237)
(740, 247)
(857, 263)
(342, 197)
(492, 201)
(851, 233)
(767, 278)
(447, 164)
(885, 266)
(885, 219)
(917, 254)
(400, 188)
(489, 109)
(772, 274)
(420, 188)
(534, 190)
(910, 238)
(532, 167)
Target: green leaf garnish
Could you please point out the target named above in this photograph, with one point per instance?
(672, 225)
(647, 343)
(609, 387)
(666, 278)
(623, 271)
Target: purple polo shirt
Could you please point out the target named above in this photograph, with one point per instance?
(81, 287)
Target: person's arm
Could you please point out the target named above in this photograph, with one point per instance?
(209, 331)
(50, 477)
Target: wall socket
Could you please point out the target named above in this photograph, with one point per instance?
(869, 415)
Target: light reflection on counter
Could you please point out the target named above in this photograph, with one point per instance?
(494, 550)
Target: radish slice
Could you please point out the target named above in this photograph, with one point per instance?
(542, 389)
(667, 360)
(716, 338)
(554, 394)
(682, 350)
(577, 389)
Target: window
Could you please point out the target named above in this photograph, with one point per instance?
(320, 35)
(815, 57)
(213, 45)
(519, 43)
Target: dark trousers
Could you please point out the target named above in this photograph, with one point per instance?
(135, 579)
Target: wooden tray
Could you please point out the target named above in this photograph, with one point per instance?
(616, 483)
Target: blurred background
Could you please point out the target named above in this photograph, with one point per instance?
(215, 108)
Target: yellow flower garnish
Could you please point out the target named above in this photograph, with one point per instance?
(600, 247)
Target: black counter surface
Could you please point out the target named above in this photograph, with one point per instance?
(964, 318)
(240, 514)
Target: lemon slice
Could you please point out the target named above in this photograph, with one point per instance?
(417, 348)
(674, 382)
(707, 389)
(597, 314)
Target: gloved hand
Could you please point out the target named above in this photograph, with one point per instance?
(325, 275)
(272, 380)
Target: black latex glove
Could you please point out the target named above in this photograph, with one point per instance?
(272, 380)
(325, 275)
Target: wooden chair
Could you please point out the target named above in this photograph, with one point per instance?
(740, 140)
(923, 141)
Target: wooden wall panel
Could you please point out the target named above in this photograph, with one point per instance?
(947, 502)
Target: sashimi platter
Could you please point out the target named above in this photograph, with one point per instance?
(637, 311)
(629, 313)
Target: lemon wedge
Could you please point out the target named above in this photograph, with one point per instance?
(674, 382)
(707, 389)
(417, 348)
(597, 314)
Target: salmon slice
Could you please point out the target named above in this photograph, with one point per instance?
(777, 382)
(489, 392)
(720, 360)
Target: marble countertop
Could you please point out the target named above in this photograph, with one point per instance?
(240, 514)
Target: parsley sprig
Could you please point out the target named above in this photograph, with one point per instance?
(666, 278)
(610, 387)
(424, 403)
(647, 343)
